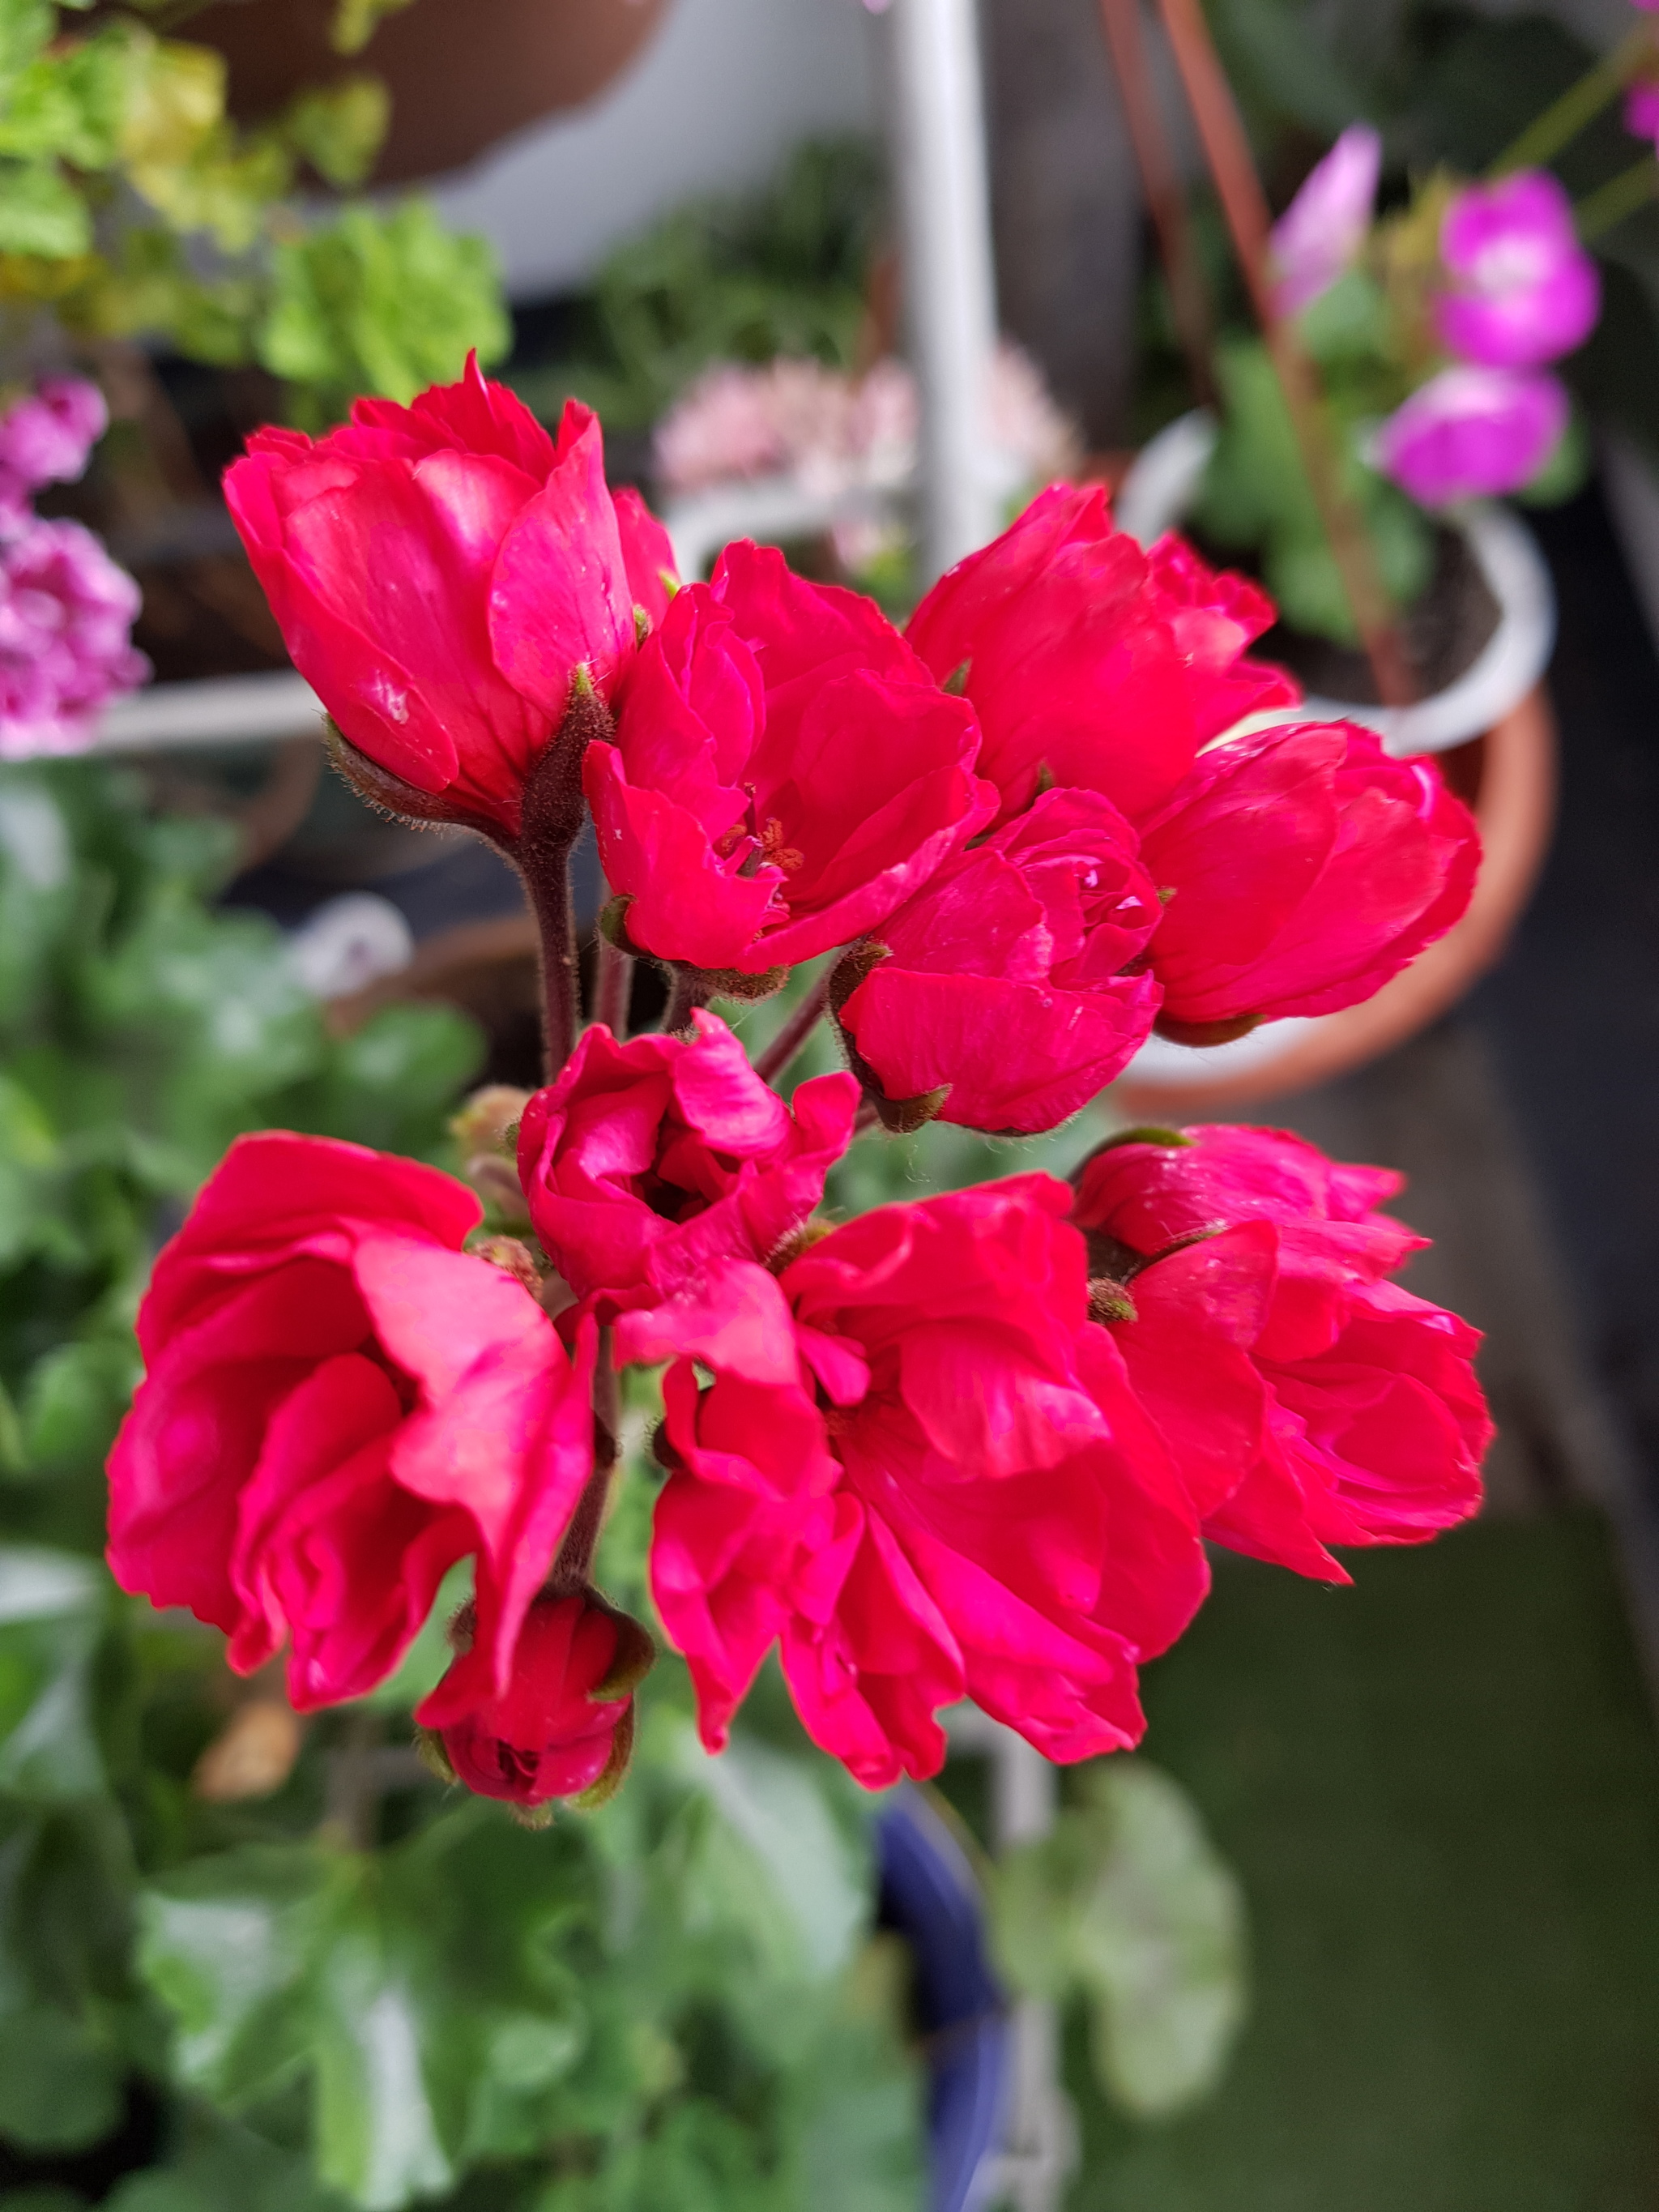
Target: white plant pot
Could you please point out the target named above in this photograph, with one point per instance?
(1155, 497)
(1160, 487)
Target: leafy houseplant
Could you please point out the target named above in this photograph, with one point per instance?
(1430, 329)
(130, 205)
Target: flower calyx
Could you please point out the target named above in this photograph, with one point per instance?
(1205, 1033)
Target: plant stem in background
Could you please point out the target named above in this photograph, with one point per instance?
(1560, 123)
(1166, 199)
(1606, 207)
(1227, 152)
(613, 985)
(777, 1056)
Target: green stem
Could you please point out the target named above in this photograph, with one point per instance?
(1620, 196)
(1581, 103)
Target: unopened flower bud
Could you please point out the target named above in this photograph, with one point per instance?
(564, 1726)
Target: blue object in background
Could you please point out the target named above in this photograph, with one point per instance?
(929, 1895)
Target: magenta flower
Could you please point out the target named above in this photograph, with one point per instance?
(1322, 229)
(66, 612)
(45, 439)
(1472, 433)
(1522, 291)
(1642, 109)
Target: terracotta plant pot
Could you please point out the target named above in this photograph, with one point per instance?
(1509, 775)
(462, 73)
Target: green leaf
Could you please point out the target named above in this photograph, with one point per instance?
(355, 22)
(415, 1993)
(1126, 1903)
(25, 27)
(1348, 323)
(52, 1608)
(340, 127)
(41, 213)
(778, 1862)
(383, 303)
(58, 2089)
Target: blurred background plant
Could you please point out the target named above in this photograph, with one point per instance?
(130, 205)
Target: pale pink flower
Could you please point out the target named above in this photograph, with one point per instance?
(1324, 226)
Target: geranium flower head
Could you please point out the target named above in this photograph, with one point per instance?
(441, 571)
(1001, 985)
(785, 773)
(646, 1164)
(1301, 867)
(340, 1404)
(1521, 289)
(1090, 663)
(919, 1469)
(1308, 1401)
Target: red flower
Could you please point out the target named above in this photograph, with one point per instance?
(341, 1404)
(1090, 663)
(1302, 867)
(919, 1467)
(564, 1726)
(1004, 983)
(785, 773)
(1307, 1400)
(1214, 615)
(439, 571)
(644, 1164)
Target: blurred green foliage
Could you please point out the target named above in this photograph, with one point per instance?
(784, 272)
(140, 1030)
(130, 205)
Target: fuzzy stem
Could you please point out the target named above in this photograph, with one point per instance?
(548, 885)
(1581, 103)
(778, 1056)
(1244, 205)
(551, 817)
(573, 1569)
(613, 985)
(1619, 196)
(867, 1119)
(1166, 200)
(688, 993)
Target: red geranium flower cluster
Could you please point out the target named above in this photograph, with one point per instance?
(969, 1447)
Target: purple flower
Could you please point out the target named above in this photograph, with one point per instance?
(66, 612)
(1472, 433)
(45, 439)
(1642, 107)
(1522, 291)
(1322, 229)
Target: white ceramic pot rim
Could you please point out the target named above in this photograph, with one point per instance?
(1154, 497)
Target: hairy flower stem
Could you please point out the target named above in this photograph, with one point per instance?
(689, 992)
(776, 1057)
(550, 822)
(1227, 152)
(613, 985)
(573, 1569)
(1581, 103)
